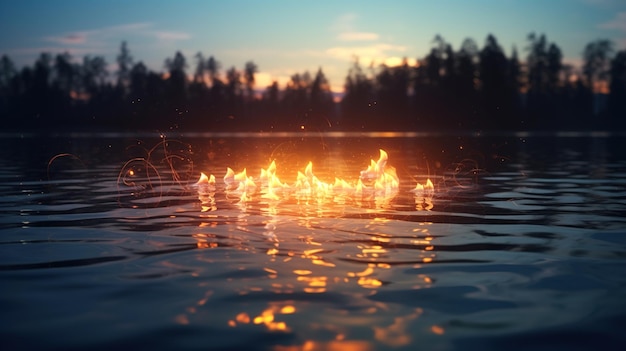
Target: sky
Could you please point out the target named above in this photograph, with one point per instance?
(287, 37)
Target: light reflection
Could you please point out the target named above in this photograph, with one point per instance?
(267, 318)
(206, 192)
(396, 334)
(424, 194)
(333, 345)
(437, 330)
(377, 185)
(304, 263)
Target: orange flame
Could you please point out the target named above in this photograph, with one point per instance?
(379, 182)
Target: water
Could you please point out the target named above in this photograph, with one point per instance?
(524, 246)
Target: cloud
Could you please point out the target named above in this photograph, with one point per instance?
(344, 26)
(344, 23)
(375, 53)
(100, 35)
(128, 27)
(357, 36)
(617, 23)
(96, 37)
(172, 35)
(69, 39)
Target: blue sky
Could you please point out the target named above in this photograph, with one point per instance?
(287, 37)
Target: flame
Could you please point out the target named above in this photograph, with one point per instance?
(378, 183)
(424, 195)
(206, 192)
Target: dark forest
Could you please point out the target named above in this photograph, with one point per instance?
(468, 89)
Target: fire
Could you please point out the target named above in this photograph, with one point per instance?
(424, 195)
(378, 182)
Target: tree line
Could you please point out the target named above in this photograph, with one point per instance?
(470, 88)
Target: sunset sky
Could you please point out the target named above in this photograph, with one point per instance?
(287, 37)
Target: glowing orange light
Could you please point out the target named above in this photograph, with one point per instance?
(289, 309)
(379, 182)
(437, 330)
(243, 318)
(424, 195)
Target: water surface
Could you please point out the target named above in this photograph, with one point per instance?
(522, 246)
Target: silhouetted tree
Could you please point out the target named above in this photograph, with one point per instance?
(392, 89)
(544, 66)
(124, 65)
(555, 65)
(446, 89)
(248, 75)
(233, 82)
(7, 86)
(358, 101)
(93, 74)
(296, 100)
(66, 73)
(463, 85)
(514, 89)
(176, 82)
(36, 102)
(433, 77)
(7, 71)
(321, 102)
(496, 106)
(271, 111)
(138, 80)
(597, 58)
(212, 68)
(233, 97)
(198, 76)
(617, 95)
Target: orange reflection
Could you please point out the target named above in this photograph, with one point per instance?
(292, 264)
(424, 195)
(396, 334)
(267, 318)
(377, 184)
(437, 330)
(334, 345)
(206, 192)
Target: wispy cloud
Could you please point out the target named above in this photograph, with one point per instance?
(378, 53)
(172, 35)
(100, 36)
(345, 27)
(374, 52)
(95, 37)
(617, 23)
(69, 39)
(357, 36)
(344, 23)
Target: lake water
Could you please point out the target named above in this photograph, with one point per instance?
(105, 243)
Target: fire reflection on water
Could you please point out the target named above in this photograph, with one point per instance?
(303, 263)
(377, 185)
